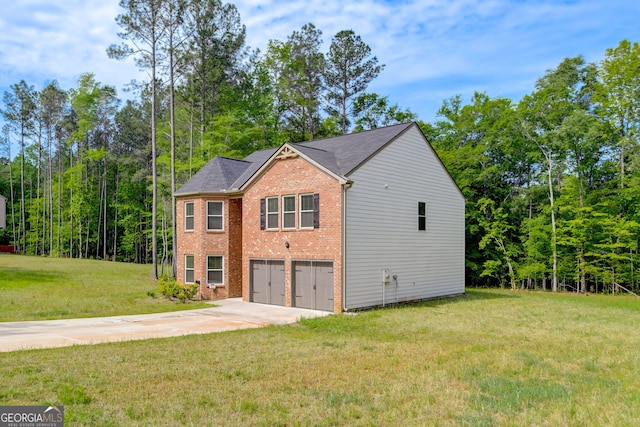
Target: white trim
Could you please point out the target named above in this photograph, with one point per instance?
(193, 269)
(215, 216)
(294, 211)
(221, 270)
(192, 216)
(266, 213)
(305, 211)
(288, 150)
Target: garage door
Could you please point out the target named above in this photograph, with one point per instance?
(313, 284)
(267, 281)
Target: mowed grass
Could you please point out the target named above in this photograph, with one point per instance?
(491, 358)
(39, 288)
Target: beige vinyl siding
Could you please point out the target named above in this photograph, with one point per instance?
(382, 227)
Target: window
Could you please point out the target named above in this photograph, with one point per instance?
(214, 270)
(289, 212)
(189, 271)
(188, 216)
(214, 215)
(309, 211)
(272, 213)
(422, 216)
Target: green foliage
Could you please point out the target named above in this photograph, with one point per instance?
(173, 290)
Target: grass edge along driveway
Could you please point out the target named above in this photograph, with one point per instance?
(491, 358)
(42, 288)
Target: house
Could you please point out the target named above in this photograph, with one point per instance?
(3, 211)
(337, 224)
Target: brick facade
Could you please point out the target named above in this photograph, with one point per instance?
(294, 176)
(201, 243)
(242, 239)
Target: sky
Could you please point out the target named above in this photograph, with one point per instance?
(432, 49)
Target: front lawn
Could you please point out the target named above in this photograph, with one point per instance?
(40, 288)
(491, 358)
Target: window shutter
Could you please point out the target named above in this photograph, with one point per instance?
(263, 216)
(316, 210)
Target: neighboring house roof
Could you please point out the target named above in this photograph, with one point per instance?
(340, 155)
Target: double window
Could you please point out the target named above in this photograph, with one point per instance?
(215, 272)
(307, 214)
(215, 215)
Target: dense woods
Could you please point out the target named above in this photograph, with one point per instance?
(551, 180)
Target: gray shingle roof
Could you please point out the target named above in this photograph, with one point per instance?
(217, 176)
(341, 155)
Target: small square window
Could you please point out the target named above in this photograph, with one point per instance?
(422, 216)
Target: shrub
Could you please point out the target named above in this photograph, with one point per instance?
(175, 291)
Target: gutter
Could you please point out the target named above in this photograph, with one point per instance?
(346, 186)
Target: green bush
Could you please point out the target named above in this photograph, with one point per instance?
(175, 291)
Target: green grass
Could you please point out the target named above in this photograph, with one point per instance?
(39, 288)
(491, 358)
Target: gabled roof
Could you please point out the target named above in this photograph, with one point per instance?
(340, 155)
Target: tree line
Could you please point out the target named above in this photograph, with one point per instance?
(94, 177)
(551, 180)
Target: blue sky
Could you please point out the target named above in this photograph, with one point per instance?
(432, 49)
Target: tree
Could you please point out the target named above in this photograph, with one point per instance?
(144, 27)
(558, 94)
(349, 70)
(372, 111)
(20, 114)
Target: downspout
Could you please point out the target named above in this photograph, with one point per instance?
(347, 185)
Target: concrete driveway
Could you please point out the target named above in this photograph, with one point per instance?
(230, 314)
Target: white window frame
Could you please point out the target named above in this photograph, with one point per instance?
(306, 211)
(289, 214)
(221, 270)
(221, 216)
(188, 269)
(269, 213)
(187, 216)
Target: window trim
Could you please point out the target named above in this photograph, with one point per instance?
(285, 213)
(187, 269)
(187, 216)
(221, 270)
(221, 216)
(271, 213)
(422, 216)
(312, 211)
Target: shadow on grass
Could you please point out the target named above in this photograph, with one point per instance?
(469, 295)
(17, 276)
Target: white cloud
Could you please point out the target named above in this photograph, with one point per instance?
(433, 49)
